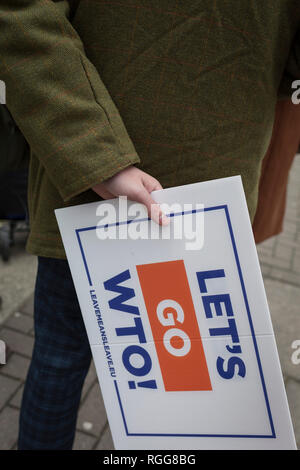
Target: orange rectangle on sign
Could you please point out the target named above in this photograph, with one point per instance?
(174, 326)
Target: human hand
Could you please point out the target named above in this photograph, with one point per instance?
(137, 186)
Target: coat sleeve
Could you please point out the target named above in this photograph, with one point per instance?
(57, 97)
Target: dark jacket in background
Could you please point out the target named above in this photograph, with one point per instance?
(284, 145)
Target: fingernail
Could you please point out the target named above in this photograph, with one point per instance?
(164, 219)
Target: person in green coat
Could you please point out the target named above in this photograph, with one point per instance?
(121, 98)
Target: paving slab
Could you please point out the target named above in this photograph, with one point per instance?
(284, 302)
(90, 380)
(18, 342)
(83, 441)
(20, 322)
(15, 401)
(8, 387)
(292, 390)
(9, 425)
(92, 416)
(106, 442)
(16, 366)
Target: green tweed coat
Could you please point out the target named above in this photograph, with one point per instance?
(184, 89)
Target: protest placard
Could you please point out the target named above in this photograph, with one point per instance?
(178, 321)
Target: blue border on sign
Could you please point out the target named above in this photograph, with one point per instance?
(225, 208)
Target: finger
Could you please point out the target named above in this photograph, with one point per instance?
(151, 184)
(153, 208)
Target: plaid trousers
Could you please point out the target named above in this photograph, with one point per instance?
(60, 361)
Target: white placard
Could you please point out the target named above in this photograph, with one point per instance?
(180, 328)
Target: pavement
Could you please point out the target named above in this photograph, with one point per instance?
(280, 263)
(17, 277)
